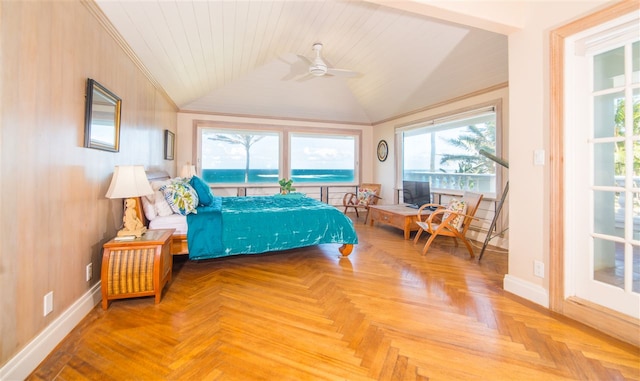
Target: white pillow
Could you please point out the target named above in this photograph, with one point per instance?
(148, 207)
(163, 208)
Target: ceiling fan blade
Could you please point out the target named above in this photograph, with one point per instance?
(297, 68)
(344, 73)
(318, 67)
(306, 77)
(305, 59)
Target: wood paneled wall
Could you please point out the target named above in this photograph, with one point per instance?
(54, 217)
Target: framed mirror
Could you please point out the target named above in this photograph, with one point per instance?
(169, 144)
(102, 118)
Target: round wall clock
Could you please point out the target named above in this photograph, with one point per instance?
(383, 150)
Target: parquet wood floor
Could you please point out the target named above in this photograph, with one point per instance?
(383, 313)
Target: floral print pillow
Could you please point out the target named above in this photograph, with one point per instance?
(364, 196)
(457, 206)
(181, 196)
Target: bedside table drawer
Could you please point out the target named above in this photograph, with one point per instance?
(140, 267)
(130, 271)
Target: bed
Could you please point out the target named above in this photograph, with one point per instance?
(250, 225)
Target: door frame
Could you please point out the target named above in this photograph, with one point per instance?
(603, 319)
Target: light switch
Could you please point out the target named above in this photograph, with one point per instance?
(538, 157)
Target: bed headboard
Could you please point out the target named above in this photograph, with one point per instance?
(151, 176)
(157, 175)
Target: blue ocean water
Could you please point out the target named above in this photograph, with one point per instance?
(264, 176)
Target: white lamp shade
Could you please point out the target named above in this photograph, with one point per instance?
(188, 170)
(129, 181)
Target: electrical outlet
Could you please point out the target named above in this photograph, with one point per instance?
(89, 272)
(48, 303)
(538, 269)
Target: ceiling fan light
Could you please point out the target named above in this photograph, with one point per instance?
(318, 70)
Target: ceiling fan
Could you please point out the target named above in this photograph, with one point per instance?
(318, 67)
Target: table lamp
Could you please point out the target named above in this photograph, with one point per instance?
(188, 171)
(129, 182)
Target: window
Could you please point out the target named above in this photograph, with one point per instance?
(261, 156)
(239, 156)
(445, 151)
(323, 159)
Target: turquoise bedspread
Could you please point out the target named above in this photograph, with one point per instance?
(204, 230)
(251, 225)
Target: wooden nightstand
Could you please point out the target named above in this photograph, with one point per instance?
(140, 267)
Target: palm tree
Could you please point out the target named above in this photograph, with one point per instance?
(244, 140)
(479, 137)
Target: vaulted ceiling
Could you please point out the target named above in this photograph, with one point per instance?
(251, 57)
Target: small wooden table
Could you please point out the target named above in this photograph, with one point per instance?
(140, 267)
(399, 216)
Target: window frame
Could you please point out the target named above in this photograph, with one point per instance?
(356, 143)
(285, 133)
(432, 122)
(240, 131)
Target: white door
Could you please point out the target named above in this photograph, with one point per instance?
(602, 146)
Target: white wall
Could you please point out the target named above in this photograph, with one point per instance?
(529, 81)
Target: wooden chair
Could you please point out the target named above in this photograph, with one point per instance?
(366, 194)
(449, 221)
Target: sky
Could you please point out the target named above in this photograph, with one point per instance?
(307, 152)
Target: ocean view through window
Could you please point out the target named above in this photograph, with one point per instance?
(243, 156)
(322, 159)
(246, 157)
(444, 151)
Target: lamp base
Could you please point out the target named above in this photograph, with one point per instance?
(132, 224)
(132, 233)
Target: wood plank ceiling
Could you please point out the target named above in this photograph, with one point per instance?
(243, 57)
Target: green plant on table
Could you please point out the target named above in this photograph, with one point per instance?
(286, 186)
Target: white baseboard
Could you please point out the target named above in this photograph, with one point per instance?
(23, 363)
(524, 289)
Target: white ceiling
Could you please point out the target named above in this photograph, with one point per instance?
(242, 57)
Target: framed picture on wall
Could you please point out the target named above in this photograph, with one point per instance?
(102, 118)
(169, 144)
(383, 150)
